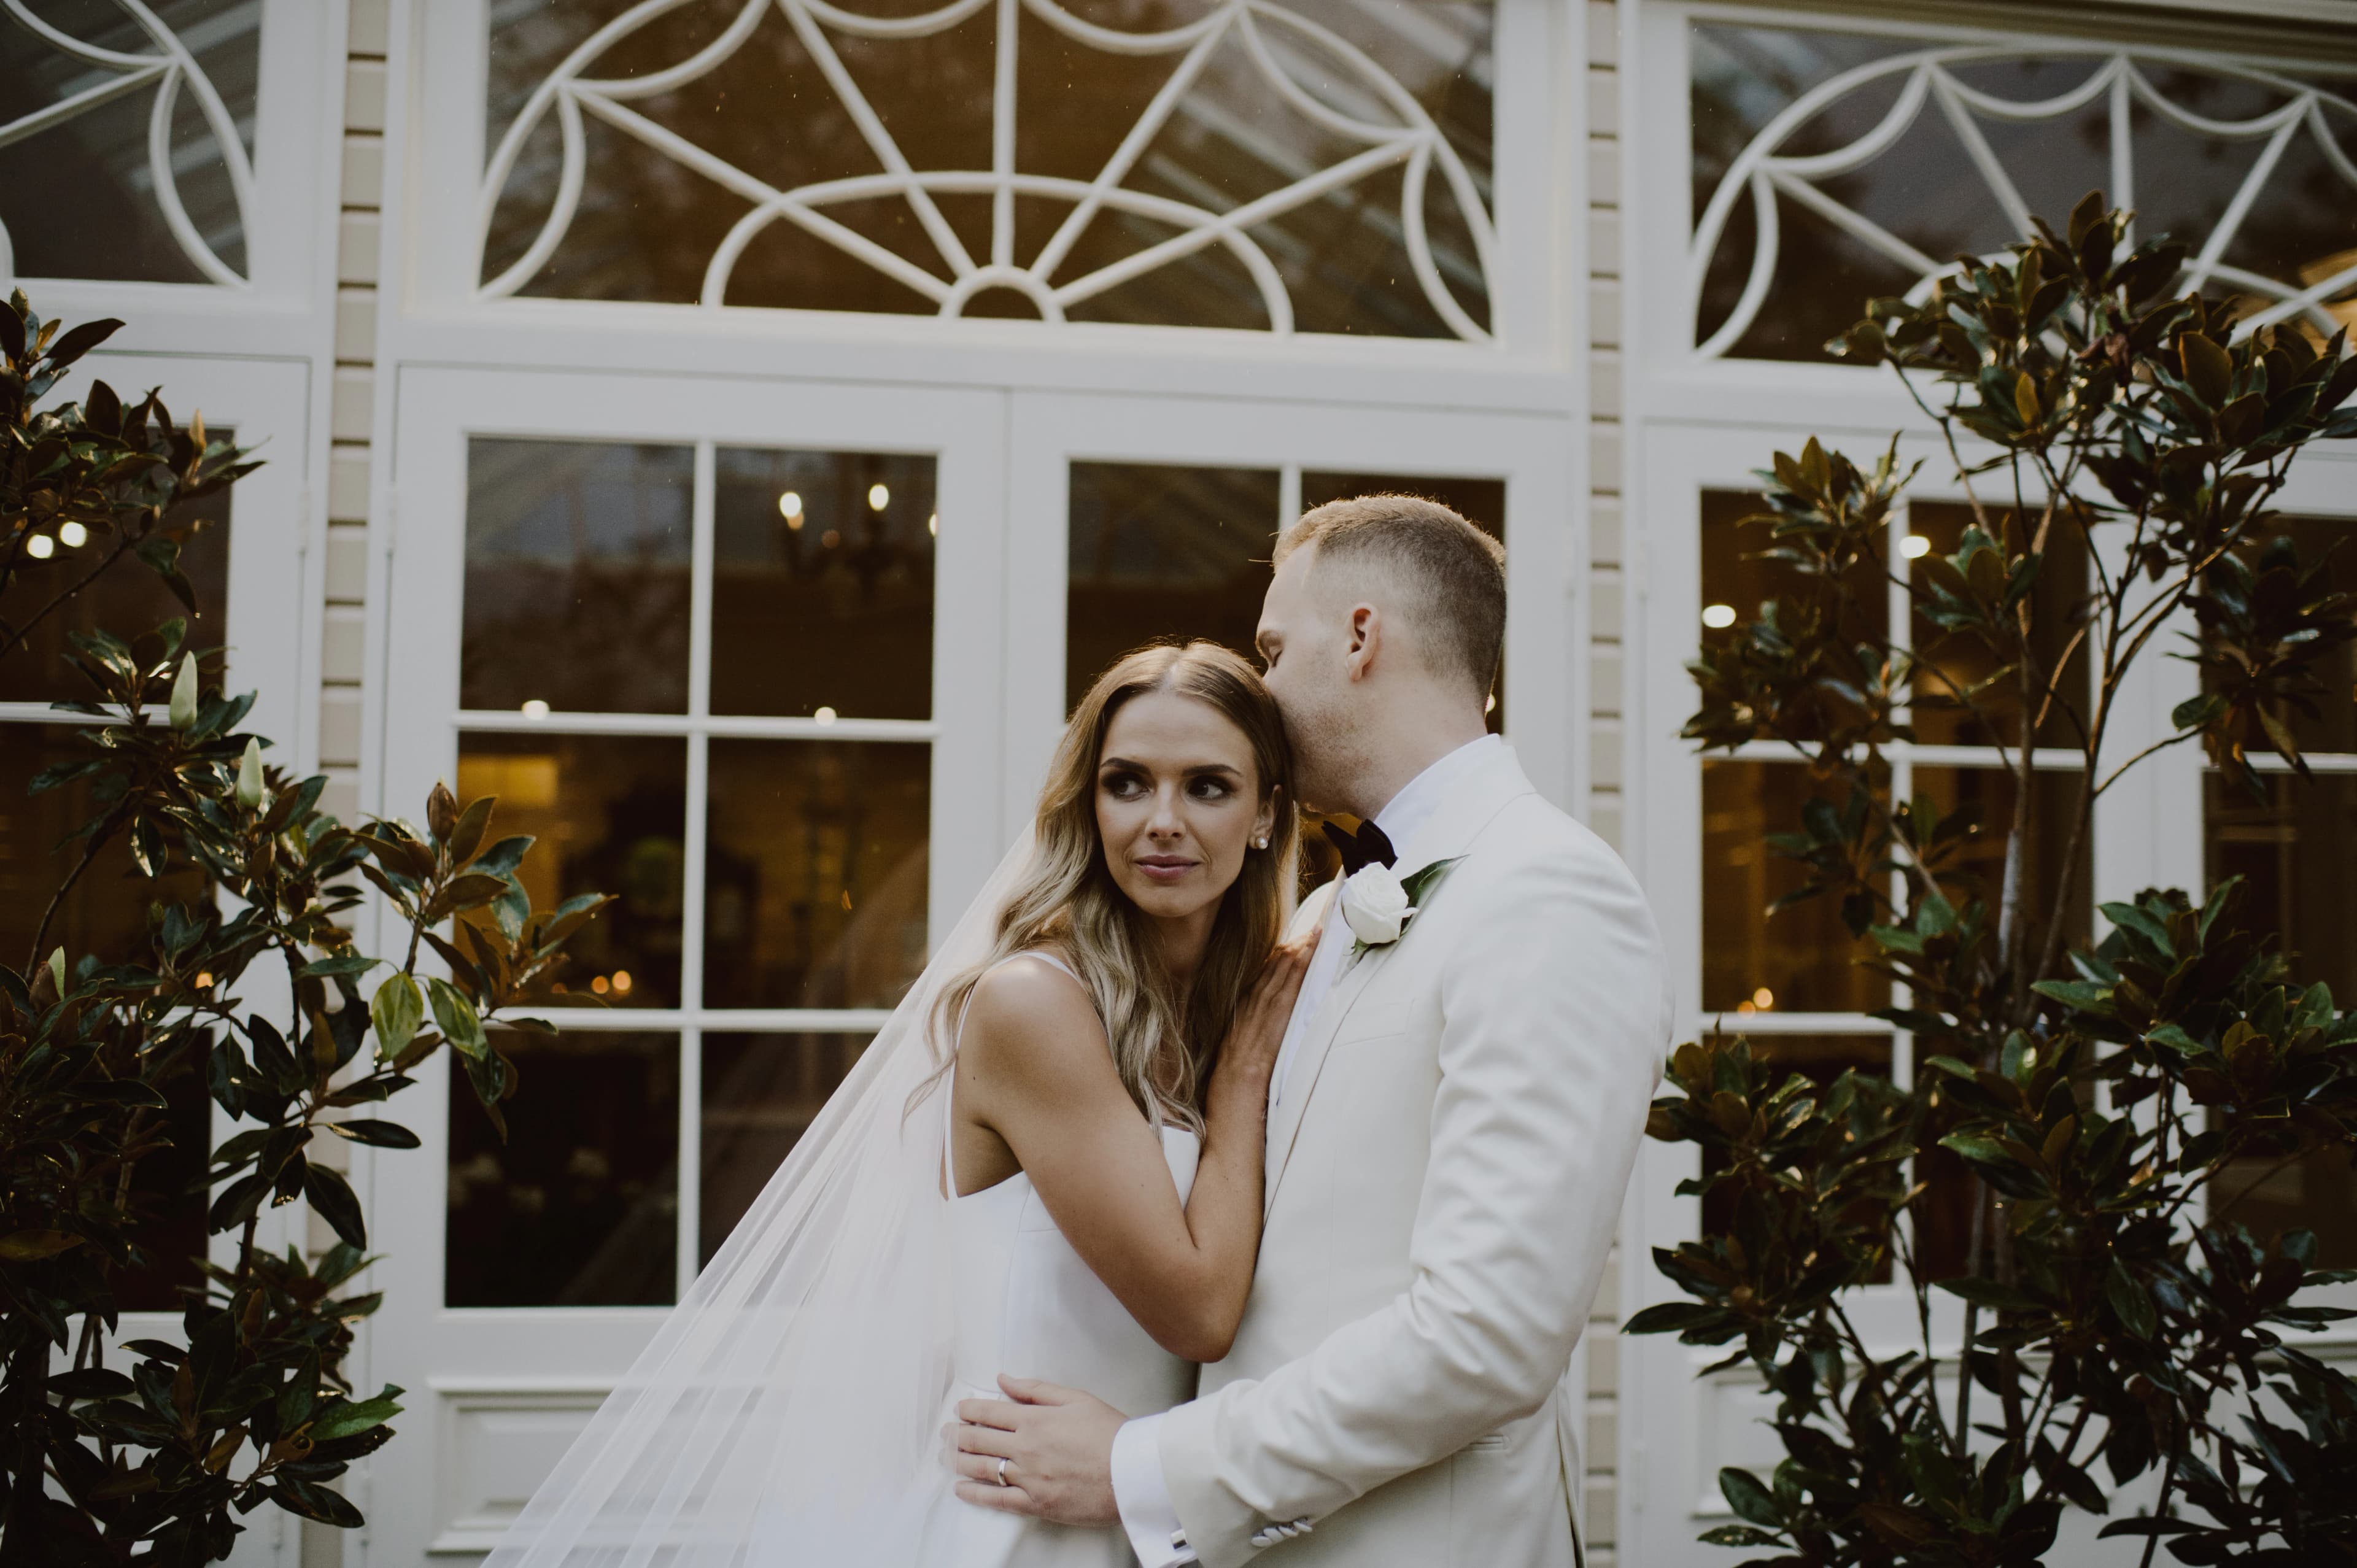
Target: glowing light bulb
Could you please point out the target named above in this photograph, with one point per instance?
(933, 525)
(878, 497)
(72, 535)
(40, 547)
(830, 539)
(1763, 999)
(598, 985)
(789, 506)
(1914, 547)
(535, 709)
(1492, 706)
(621, 982)
(824, 715)
(1718, 616)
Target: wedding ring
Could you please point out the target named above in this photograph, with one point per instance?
(1002, 1471)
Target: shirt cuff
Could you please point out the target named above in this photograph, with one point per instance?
(1148, 1514)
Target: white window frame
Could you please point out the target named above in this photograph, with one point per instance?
(1697, 424)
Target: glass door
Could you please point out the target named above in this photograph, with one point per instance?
(727, 653)
(1171, 506)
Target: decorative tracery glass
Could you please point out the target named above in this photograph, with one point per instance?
(1315, 165)
(1829, 167)
(126, 148)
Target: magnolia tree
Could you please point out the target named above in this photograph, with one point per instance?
(2117, 1321)
(147, 1450)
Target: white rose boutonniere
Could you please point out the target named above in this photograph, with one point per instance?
(1378, 903)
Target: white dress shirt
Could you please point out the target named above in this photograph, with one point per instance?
(1148, 1514)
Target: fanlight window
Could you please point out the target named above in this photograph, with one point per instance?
(127, 152)
(1320, 166)
(1830, 167)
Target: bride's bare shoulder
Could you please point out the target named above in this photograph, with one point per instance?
(1034, 1006)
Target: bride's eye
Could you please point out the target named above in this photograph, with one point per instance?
(1210, 790)
(1122, 786)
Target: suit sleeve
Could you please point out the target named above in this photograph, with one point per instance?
(1555, 1016)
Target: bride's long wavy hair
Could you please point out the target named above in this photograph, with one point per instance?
(1068, 901)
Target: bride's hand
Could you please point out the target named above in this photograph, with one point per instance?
(1248, 1055)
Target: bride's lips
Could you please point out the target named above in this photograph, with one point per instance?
(1164, 868)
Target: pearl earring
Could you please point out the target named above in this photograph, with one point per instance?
(1260, 842)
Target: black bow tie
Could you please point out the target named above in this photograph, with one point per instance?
(1367, 847)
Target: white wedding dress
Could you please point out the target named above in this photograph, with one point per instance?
(1028, 1305)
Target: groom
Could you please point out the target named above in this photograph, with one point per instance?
(1452, 1120)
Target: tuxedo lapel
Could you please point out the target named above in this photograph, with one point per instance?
(1451, 830)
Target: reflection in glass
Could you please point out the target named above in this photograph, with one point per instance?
(760, 1092)
(610, 815)
(815, 873)
(823, 584)
(1925, 188)
(1798, 959)
(580, 1205)
(1482, 502)
(2294, 848)
(1977, 869)
(647, 227)
(1821, 1058)
(127, 601)
(77, 199)
(1160, 552)
(1951, 661)
(2330, 722)
(576, 576)
(106, 912)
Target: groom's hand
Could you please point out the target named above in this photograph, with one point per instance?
(1057, 1444)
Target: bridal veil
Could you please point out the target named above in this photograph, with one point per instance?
(788, 1411)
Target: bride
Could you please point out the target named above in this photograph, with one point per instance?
(1046, 1165)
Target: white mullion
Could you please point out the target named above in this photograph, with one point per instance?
(1288, 496)
(753, 1020)
(691, 1160)
(696, 808)
(748, 726)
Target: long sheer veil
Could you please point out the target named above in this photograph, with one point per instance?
(787, 1411)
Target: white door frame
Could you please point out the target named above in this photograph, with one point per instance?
(483, 1378)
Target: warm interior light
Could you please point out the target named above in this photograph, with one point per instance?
(878, 497)
(204, 980)
(621, 982)
(1492, 706)
(846, 900)
(72, 535)
(1914, 547)
(40, 547)
(789, 506)
(824, 715)
(1763, 999)
(598, 985)
(535, 709)
(830, 539)
(933, 525)
(1718, 616)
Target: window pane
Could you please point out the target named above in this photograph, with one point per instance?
(1977, 870)
(169, 1196)
(609, 812)
(1799, 960)
(760, 1092)
(128, 601)
(815, 873)
(1736, 583)
(823, 584)
(1159, 553)
(580, 1205)
(79, 199)
(647, 227)
(2294, 847)
(1482, 502)
(1951, 661)
(577, 576)
(1925, 189)
(2329, 724)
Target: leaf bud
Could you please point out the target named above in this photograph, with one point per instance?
(184, 694)
(249, 774)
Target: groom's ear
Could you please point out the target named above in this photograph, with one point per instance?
(1363, 641)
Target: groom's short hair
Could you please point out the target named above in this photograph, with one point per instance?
(1451, 576)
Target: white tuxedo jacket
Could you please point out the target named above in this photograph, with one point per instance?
(1445, 1170)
